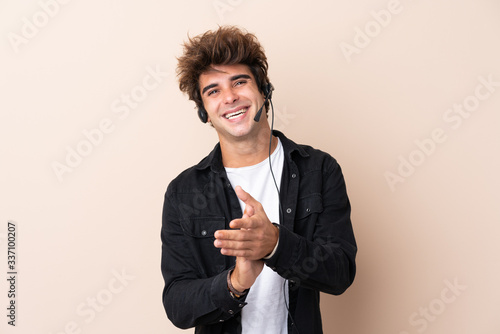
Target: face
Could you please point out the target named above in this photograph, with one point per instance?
(231, 98)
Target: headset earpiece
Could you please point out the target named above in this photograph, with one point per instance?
(202, 114)
(268, 93)
(268, 90)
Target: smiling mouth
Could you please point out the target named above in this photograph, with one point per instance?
(236, 113)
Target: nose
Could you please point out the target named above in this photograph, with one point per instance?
(230, 96)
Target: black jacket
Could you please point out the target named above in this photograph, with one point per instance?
(316, 250)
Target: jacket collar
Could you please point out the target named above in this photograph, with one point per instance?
(214, 159)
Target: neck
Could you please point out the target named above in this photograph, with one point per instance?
(247, 152)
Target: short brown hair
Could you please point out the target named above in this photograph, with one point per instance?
(228, 45)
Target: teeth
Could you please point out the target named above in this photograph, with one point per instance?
(236, 113)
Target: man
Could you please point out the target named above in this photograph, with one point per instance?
(237, 256)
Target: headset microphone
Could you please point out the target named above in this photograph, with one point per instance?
(269, 92)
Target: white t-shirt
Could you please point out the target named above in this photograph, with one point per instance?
(265, 312)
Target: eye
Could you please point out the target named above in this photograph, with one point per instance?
(240, 82)
(212, 92)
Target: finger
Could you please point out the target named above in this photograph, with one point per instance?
(238, 235)
(249, 211)
(244, 223)
(250, 203)
(231, 244)
(245, 197)
(235, 248)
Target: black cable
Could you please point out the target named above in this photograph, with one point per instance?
(281, 210)
(287, 309)
(270, 164)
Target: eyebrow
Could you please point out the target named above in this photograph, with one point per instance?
(233, 78)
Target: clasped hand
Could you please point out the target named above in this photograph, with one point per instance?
(252, 237)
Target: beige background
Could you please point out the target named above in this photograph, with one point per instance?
(437, 225)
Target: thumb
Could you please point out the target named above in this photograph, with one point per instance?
(249, 211)
(247, 199)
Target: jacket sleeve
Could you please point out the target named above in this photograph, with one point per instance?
(190, 297)
(323, 257)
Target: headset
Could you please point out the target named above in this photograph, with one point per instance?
(268, 92)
